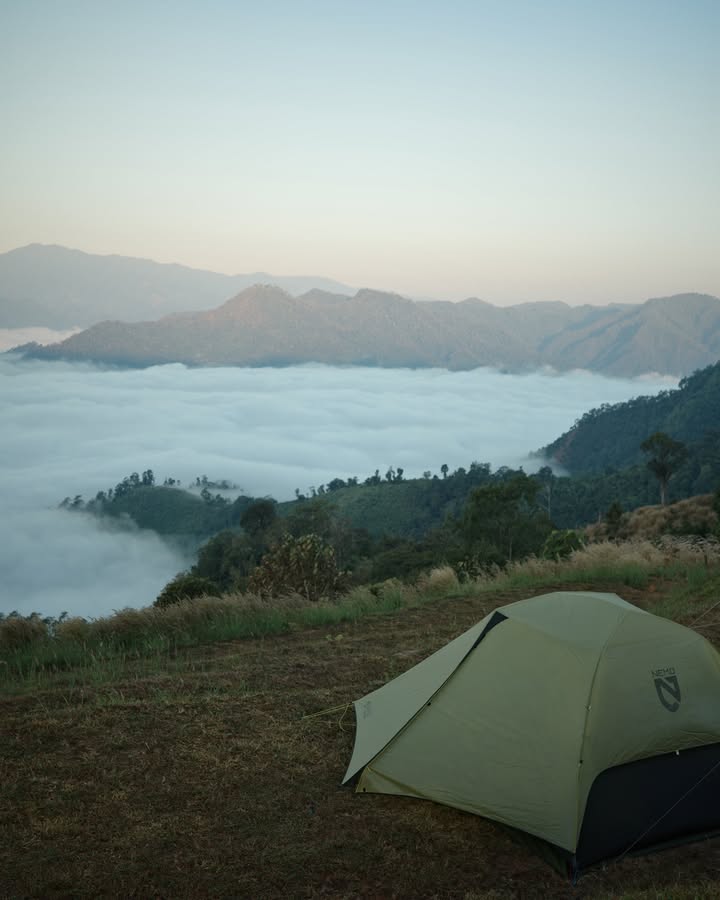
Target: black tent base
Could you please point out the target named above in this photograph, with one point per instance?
(565, 863)
(642, 807)
(638, 808)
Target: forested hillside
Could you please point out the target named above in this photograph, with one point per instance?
(186, 517)
(380, 528)
(609, 437)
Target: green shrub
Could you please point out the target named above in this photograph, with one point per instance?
(613, 520)
(185, 587)
(560, 544)
(303, 565)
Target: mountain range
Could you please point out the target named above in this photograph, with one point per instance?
(264, 325)
(55, 287)
(143, 313)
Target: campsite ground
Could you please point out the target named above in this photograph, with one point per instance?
(199, 777)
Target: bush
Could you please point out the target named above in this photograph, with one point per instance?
(299, 565)
(440, 580)
(74, 629)
(560, 544)
(20, 631)
(613, 520)
(185, 587)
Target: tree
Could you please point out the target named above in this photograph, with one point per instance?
(76, 503)
(313, 517)
(258, 517)
(613, 519)
(227, 559)
(560, 544)
(665, 458)
(299, 565)
(547, 479)
(185, 586)
(502, 521)
(444, 470)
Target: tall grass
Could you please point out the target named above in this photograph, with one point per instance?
(633, 563)
(31, 647)
(694, 515)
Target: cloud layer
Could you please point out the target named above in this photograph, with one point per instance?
(77, 429)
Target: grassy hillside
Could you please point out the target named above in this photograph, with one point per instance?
(694, 516)
(187, 772)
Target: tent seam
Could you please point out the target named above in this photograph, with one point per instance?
(588, 707)
(489, 627)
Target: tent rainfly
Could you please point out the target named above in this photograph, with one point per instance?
(575, 718)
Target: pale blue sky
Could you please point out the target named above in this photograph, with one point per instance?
(508, 150)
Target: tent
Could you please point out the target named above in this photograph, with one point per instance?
(573, 717)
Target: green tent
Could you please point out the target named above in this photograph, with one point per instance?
(576, 718)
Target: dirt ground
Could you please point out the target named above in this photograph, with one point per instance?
(204, 780)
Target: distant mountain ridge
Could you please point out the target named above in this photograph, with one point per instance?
(265, 325)
(55, 287)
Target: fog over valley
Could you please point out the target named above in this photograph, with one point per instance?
(73, 429)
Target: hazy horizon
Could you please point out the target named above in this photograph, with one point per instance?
(305, 275)
(513, 152)
(76, 429)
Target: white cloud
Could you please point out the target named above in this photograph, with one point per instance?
(76, 429)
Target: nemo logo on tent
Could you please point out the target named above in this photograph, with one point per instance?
(668, 688)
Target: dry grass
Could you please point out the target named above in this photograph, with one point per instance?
(629, 562)
(694, 515)
(17, 632)
(185, 615)
(440, 580)
(203, 779)
(30, 649)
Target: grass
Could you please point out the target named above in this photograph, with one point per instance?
(29, 655)
(694, 515)
(32, 651)
(194, 773)
(694, 600)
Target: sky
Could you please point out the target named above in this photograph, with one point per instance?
(75, 429)
(508, 149)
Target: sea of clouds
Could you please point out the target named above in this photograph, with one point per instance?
(72, 429)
